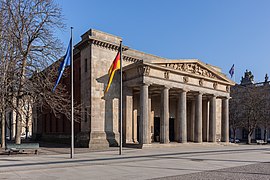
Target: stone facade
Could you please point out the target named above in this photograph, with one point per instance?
(183, 100)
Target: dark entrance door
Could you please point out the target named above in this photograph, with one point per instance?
(171, 129)
(156, 129)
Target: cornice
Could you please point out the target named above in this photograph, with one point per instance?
(108, 45)
(131, 59)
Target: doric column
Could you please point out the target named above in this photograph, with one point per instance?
(225, 121)
(164, 116)
(144, 116)
(205, 120)
(212, 119)
(198, 119)
(182, 116)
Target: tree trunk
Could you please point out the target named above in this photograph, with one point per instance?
(18, 129)
(234, 135)
(249, 138)
(18, 103)
(26, 132)
(265, 135)
(3, 132)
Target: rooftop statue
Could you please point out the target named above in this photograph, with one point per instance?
(266, 78)
(248, 78)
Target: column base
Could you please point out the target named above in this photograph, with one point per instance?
(82, 139)
(165, 142)
(128, 141)
(113, 138)
(98, 141)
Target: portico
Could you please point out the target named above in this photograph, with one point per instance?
(171, 103)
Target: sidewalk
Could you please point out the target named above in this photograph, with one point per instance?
(144, 163)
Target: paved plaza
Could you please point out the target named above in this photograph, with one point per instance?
(186, 161)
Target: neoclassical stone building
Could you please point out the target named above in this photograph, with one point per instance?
(182, 100)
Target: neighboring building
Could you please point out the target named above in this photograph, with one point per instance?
(26, 122)
(263, 88)
(164, 100)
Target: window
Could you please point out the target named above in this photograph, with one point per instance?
(244, 134)
(258, 134)
(85, 65)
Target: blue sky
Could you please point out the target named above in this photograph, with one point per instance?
(217, 32)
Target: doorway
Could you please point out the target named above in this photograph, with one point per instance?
(171, 129)
(157, 129)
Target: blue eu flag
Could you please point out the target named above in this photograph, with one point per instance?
(232, 71)
(64, 63)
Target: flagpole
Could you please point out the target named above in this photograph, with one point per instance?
(234, 73)
(72, 96)
(121, 101)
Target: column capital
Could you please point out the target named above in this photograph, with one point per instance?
(199, 93)
(225, 97)
(167, 87)
(184, 90)
(145, 84)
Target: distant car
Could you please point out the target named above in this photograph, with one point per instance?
(268, 140)
(236, 140)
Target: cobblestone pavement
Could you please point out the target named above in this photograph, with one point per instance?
(259, 171)
(189, 161)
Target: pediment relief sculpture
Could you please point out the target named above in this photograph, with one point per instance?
(191, 68)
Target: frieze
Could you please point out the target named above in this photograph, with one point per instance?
(228, 88)
(201, 82)
(191, 68)
(215, 84)
(143, 70)
(167, 74)
(185, 79)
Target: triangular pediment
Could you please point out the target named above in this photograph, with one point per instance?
(194, 67)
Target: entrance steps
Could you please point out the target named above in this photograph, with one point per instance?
(176, 144)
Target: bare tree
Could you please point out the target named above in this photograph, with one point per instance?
(248, 108)
(32, 46)
(265, 111)
(31, 28)
(235, 112)
(252, 103)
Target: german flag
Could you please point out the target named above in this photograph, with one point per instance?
(114, 67)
